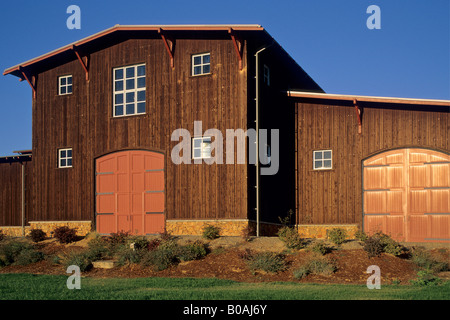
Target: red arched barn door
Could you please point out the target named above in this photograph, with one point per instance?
(130, 192)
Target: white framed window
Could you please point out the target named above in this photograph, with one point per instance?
(65, 158)
(323, 160)
(129, 90)
(65, 85)
(201, 147)
(201, 64)
(266, 75)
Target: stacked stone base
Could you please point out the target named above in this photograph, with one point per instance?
(82, 227)
(235, 227)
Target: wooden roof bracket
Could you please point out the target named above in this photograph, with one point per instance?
(169, 47)
(358, 111)
(32, 83)
(84, 64)
(238, 46)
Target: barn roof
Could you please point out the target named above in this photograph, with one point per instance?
(114, 34)
(369, 99)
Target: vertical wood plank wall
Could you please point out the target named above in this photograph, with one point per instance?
(11, 192)
(335, 196)
(83, 121)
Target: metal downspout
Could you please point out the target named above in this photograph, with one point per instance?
(257, 101)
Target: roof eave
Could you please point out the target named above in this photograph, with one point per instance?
(245, 27)
(329, 96)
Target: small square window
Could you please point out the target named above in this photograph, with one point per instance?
(64, 158)
(322, 160)
(65, 85)
(201, 148)
(201, 64)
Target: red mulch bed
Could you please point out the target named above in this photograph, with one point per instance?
(228, 264)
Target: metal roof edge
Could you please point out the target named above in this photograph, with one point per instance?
(331, 96)
(118, 27)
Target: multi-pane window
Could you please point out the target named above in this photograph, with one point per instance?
(129, 90)
(322, 160)
(201, 64)
(65, 85)
(201, 148)
(65, 158)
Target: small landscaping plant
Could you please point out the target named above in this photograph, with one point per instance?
(18, 252)
(426, 278)
(291, 238)
(80, 259)
(37, 235)
(337, 235)
(319, 247)
(379, 242)
(65, 234)
(162, 257)
(265, 261)
(210, 232)
(2, 235)
(433, 263)
(192, 251)
(316, 264)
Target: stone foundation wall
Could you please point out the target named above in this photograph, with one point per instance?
(83, 227)
(195, 227)
(319, 231)
(15, 231)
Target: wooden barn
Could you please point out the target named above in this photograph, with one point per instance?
(111, 111)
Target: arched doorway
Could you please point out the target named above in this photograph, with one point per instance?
(406, 194)
(130, 192)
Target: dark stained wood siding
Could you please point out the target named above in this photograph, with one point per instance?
(335, 196)
(175, 99)
(11, 192)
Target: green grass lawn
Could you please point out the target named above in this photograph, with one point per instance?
(46, 287)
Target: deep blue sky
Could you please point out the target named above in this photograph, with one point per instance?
(408, 57)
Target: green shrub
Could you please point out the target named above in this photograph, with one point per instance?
(138, 243)
(426, 278)
(390, 245)
(291, 238)
(210, 232)
(319, 247)
(163, 256)
(118, 239)
(337, 235)
(266, 261)
(65, 234)
(379, 242)
(126, 255)
(316, 265)
(373, 246)
(301, 272)
(37, 235)
(361, 235)
(28, 256)
(80, 259)
(427, 261)
(2, 235)
(192, 251)
(98, 248)
(10, 251)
